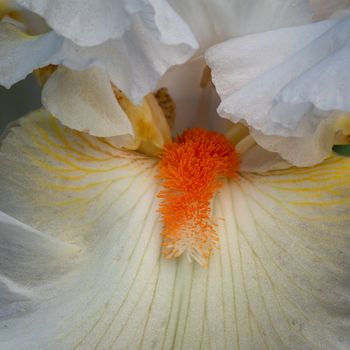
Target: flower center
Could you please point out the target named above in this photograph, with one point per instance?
(192, 169)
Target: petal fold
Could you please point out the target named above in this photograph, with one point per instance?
(215, 21)
(90, 23)
(134, 61)
(20, 53)
(85, 101)
(291, 86)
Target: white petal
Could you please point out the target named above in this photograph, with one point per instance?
(330, 9)
(85, 101)
(325, 84)
(20, 53)
(215, 21)
(195, 105)
(134, 62)
(249, 83)
(39, 257)
(279, 280)
(259, 160)
(310, 149)
(289, 88)
(89, 23)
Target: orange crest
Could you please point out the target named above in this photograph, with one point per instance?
(192, 169)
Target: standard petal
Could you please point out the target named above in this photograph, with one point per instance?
(310, 149)
(279, 281)
(90, 23)
(85, 101)
(87, 23)
(291, 86)
(249, 84)
(216, 21)
(20, 53)
(269, 78)
(134, 62)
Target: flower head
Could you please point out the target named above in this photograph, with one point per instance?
(90, 207)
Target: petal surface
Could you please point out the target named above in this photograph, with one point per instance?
(280, 279)
(85, 101)
(215, 21)
(133, 62)
(310, 149)
(20, 53)
(89, 23)
(291, 86)
(325, 9)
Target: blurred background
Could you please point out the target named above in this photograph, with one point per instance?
(22, 98)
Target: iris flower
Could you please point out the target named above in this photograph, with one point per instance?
(116, 236)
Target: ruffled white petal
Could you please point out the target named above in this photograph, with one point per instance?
(134, 62)
(216, 21)
(89, 23)
(279, 280)
(310, 149)
(20, 54)
(85, 101)
(289, 88)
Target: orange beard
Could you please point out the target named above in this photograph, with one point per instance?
(192, 169)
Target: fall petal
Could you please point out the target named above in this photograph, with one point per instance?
(278, 281)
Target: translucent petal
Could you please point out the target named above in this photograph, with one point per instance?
(279, 281)
(259, 160)
(133, 62)
(215, 21)
(85, 101)
(20, 53)
(136, 61)
(89, 23)
(293, 83)
(310, 149)
(325, 9)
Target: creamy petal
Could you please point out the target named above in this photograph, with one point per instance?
(134, 62)
(310, 149)
(216, 21)
(279, 281)
(85, 101)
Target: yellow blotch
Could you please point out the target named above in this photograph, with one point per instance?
(150, 125)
